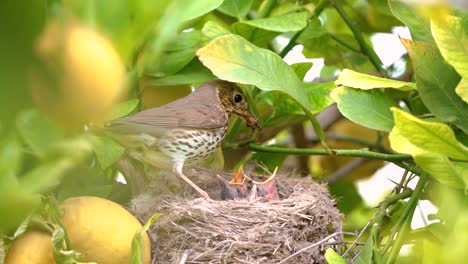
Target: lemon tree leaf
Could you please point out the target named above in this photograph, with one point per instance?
(301, 69)
(37, 131)
(282, 23)
(401, 144)
(138, 243)
(333, 258)
(123, 109)
(12, 159)
(462, 89)
(368, 108)
(194, 72)
(452, 42)
(436, 82)
(231, 57)
(319, 95)
(62, 255)
(107, 150)
(235, 8)
(365, 256)
(419, 25)
(363, 81)
(430, 136)
(442, 169)
(212, 30)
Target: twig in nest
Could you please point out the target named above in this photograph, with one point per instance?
(312, 246)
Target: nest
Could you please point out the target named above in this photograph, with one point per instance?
(291, 230)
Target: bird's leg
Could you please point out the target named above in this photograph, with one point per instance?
(177, 169)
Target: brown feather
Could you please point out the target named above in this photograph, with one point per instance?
(201, 109)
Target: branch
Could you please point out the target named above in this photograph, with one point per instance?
(338, 152)
(375, 60)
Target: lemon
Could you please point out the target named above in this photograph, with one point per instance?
(102, 230)
(79, 75)
(34, 246)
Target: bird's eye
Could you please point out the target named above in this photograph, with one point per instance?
(238, 98)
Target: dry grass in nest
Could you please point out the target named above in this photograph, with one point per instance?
(291, 230)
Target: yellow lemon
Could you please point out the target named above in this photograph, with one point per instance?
(79, 75)
(34, 246)
(102, 230)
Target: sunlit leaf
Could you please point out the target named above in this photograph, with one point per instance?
(436, 82)
(232, 58)
(462, 89)
(359, 80)
(333, 258)
(138, 243)
(452, 42)
(430, 136)
(368, 108)
(454, 174)
(123, 109)
(212, 30)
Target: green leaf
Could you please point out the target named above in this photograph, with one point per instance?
(301, 69)
(452, 42)
(368, 108)
(333, 258)
(194, 72)
(62, 255)
(37, 131)
(123, 109)
(365, 256)
(430, 136)
(359, 80)
(235, 8)
(179, 12)
(436, 82)
(233, 58)
(107, 150)
(282, 23)
(454, 174)
(419, 25)
(138, 243)
(319, 95)
(462, 89)
(212, 30)
(11, 158)
(261, 31)
(179, 52)
(60, 159)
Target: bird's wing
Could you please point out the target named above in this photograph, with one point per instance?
(200, 109)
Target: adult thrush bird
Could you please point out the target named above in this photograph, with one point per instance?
(185, 131)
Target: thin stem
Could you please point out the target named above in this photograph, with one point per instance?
(406, 217)
(266, 8)
(292, 42)
(318, 129)
(375, 60)
(342, 42)
(338, 152)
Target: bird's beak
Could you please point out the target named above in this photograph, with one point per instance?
(252, 121)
